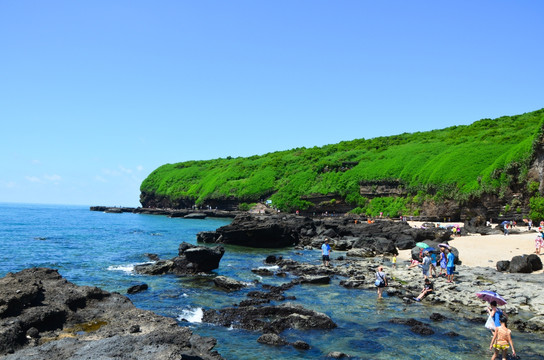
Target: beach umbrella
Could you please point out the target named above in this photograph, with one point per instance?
(490, 296)
(430, 249)
(444, 245)
(422, 245)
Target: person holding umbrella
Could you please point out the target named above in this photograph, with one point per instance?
(494, 312)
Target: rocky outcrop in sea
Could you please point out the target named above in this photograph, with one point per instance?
(283, 230)
(44, 316)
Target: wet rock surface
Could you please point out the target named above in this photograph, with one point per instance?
(269, 318)
(191, 260)
(43, 316)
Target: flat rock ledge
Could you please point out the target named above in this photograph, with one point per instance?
(44, 316)
(523, 292)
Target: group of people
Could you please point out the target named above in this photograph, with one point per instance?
(497, 320)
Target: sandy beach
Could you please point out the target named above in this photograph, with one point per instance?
(486, 250)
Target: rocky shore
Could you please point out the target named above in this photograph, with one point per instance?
(43, 316)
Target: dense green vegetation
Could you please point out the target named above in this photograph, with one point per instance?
(452, 163)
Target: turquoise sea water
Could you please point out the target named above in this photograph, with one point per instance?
(100, 249)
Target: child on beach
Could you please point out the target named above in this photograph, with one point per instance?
(502, 340)
(539, 243)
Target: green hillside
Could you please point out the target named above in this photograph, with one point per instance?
(456, 163)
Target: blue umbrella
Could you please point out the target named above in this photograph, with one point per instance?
(490, 296)
(429, 249)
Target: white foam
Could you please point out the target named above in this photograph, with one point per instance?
(128, 269)
(125, 268)
(192, 315)
(271, 268)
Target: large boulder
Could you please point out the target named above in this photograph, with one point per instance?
(503, 265)
(261, 231)
(521, 264)
(191, 260)
(536, 263)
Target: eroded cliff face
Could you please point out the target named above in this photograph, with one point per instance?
(512, 203)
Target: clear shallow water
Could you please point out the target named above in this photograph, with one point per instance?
(99, 249)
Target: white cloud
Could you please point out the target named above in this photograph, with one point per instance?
(139, 168)
(9, 184)
(45, 178)
(125, 170)
(33, 179)
(100, 179)
(54, 178)
(36, 162)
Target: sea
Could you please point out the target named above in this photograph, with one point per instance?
(101, 249)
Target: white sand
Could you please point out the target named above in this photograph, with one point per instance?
(486, 250)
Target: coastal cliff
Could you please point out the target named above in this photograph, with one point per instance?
(489, 169)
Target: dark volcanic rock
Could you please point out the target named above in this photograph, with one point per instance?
(269, 319)
(272, 339)
(82, 322)
(137, 288)
(521, 264)
(437, 317)
(260, 231)
(191, 260)
(301, 345)
(536, 263)
(228, 283)
(503, 265)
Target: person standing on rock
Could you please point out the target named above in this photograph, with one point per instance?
(426, 264)
(381, 281)
(442, 261)
(450, 264)
(325, 252)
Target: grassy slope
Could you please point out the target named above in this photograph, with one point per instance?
(455, 162)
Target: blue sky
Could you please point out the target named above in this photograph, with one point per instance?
(94, 95)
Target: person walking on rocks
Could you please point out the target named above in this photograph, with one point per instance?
(502, 340)
(381, 281)
(325, 252)
(494, 314)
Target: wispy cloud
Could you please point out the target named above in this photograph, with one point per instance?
(8, 184)
(125, 170)
(46, 178)
(54, 178)
(139, 168)
(33, 179)
(100, 179)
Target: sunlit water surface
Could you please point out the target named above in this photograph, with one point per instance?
(100, 249)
